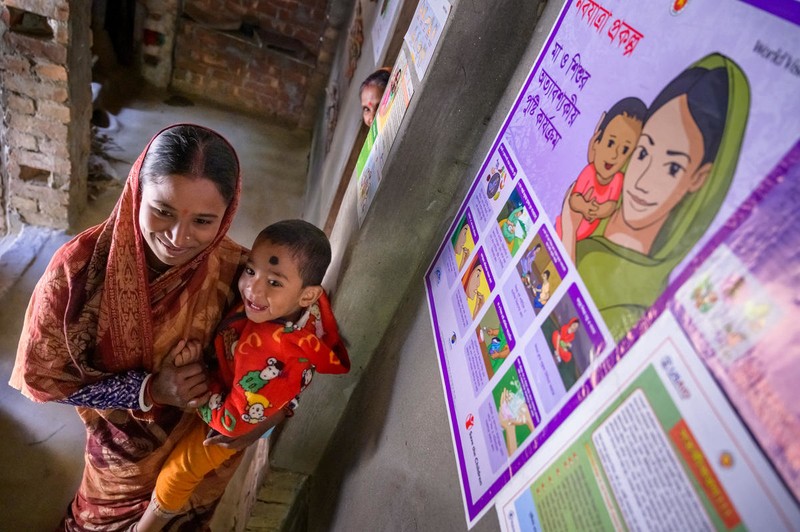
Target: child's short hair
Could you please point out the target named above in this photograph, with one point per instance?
(632, 107)
(308, 245)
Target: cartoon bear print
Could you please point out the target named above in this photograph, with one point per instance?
(273, 369)
(256, 405)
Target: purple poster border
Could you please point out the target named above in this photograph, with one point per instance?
(788, 10)
(473, 509)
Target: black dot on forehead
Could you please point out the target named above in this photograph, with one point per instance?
(273, 260)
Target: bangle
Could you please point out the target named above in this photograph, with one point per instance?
(143, 406)
(148, 393)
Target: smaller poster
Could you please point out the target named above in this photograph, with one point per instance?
(658, 448)
(424, 32)
(384, 18)
(380, 138)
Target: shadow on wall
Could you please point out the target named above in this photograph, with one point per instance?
(360, 430)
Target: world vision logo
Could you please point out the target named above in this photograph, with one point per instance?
(677, 6)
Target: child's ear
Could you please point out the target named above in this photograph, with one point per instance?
(309, 295)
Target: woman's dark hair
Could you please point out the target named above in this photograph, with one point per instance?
(707, 96)
(194, 152)
(379, 78)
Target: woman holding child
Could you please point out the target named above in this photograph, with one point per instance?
(114, 314)
(675, 183)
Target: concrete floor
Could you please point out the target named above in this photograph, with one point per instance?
(41, 458)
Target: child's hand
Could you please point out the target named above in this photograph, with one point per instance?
(192, 352)
(606, 209)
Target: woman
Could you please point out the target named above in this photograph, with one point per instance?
(562, 340)
(370, 93)
(460, 245)
(676, 181)
(472, 284)
(116, 305)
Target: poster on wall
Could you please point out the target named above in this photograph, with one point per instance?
(388, 117)
(638, 136)
(658, 448)
(384, 18)
(425, 31)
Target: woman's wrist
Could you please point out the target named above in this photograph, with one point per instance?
(148, 393)
(145, 405)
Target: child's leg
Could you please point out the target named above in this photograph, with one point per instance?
(186, 466)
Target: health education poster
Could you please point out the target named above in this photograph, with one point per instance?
(384, 18)
(425, 31)
(642, 131)
(396, 99)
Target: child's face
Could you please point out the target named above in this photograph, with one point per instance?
(615, 146)
(270, 284)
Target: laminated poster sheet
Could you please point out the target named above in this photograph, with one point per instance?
(648, 164)
(384, 19)
(388, 118)
(425, 31)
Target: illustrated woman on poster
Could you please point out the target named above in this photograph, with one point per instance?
(476, 290)
(676, 181)
(462, 242)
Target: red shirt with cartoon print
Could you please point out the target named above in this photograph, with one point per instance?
(264, 366)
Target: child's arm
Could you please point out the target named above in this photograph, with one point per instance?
(224, 413)
(605, 209)
(580, 203)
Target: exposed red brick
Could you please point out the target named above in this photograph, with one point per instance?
(52, 51)
(62, 33)
(18, 139)
(36, 89)
(54, 111)
(38, 127)
(21, 104)
(52, 72)
(50, 147)
(45, 8)
(51, 163)
(17, 65)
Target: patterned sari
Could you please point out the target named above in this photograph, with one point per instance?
(94, 314)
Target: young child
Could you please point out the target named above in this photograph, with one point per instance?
(599, 184)
(268, 348)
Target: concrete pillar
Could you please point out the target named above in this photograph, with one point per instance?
(45, 75)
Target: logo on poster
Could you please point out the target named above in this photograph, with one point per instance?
(678, 6)
(726, 460)
(438, 274)
(453, 338)
(470, 422)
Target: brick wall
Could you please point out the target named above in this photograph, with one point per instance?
(45, 86)
(281, 72)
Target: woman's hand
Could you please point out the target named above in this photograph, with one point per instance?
(244, 441)
(182, 380)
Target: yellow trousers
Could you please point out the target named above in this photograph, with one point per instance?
(186, 466)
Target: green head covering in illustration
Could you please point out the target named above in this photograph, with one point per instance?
(674, 186)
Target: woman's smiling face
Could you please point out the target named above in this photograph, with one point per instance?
(665, 165)
(179, 217)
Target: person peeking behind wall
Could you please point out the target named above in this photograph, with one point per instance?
(371, 92)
